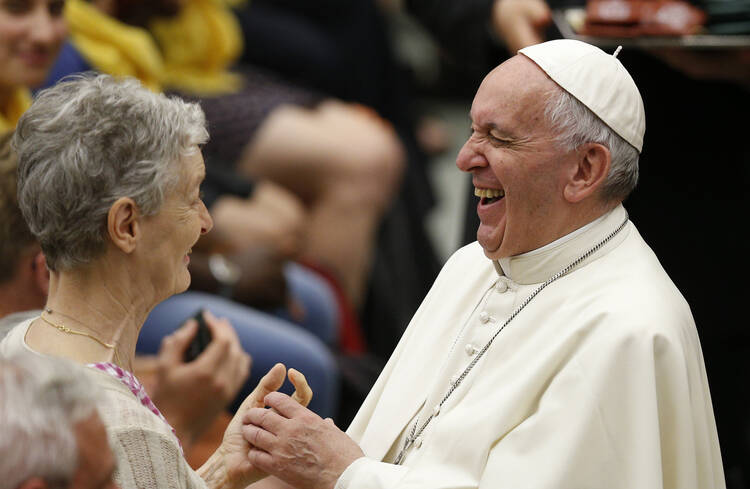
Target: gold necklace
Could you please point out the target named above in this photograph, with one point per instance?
(66, 329)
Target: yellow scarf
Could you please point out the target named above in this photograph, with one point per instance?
(19, 101)
(112, 47)
(197, 47)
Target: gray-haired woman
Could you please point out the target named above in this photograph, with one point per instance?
(109, 183)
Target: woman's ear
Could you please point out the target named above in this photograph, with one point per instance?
(123, 224)
(41, 274)
(590, 172)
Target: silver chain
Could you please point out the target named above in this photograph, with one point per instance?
(415, 433)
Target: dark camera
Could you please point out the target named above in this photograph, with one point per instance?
(200, 341)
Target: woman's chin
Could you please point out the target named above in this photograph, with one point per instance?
(183, 283)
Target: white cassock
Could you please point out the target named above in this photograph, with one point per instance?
(598, 382)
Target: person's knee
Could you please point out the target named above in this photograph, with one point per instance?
(373, 157)
(383, 166)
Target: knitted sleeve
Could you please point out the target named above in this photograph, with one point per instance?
(149, 459)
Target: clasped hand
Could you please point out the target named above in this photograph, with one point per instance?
(229, 467)
(296, 445)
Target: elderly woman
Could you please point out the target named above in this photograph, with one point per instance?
(109, 183)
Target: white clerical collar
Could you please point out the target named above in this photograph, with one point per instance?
(566, 238)
(537, 265)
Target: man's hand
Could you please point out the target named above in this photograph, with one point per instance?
(520, 23)
(190, 395)
(296, 445)
(230, 467)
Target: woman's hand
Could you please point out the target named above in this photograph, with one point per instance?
(191, 395)
(229, 466)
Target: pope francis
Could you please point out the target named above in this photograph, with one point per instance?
(553, 353)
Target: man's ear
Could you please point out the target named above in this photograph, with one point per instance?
(40, 272)
(589, 172)
(123, 224)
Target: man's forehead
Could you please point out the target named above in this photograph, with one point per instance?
(515, 87)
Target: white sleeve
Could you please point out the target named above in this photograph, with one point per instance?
(366, 473)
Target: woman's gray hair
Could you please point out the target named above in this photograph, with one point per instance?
(577, 125)
(88, 141)
(41, 401)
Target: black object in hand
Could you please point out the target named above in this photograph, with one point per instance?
(200, 341)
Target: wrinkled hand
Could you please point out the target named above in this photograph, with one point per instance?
(190, 395)
(229, 467)
(272, 217)
(296, 445)
(520, 23)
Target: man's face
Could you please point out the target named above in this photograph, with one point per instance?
(514, 160)
(96, 464)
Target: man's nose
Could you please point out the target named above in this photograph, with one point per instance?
(469, 158)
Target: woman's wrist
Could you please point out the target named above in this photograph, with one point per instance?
(214, 472)
(217, 475)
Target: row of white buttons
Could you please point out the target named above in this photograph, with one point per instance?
(484, 318)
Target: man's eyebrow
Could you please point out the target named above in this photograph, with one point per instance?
(500, 131)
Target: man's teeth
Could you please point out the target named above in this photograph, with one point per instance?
(490, 193)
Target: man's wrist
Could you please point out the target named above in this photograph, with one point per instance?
(344, 480)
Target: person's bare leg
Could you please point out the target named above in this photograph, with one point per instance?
(345, 163)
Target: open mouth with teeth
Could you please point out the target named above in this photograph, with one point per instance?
(489, 195)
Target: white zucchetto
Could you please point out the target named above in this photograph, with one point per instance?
(598, 80)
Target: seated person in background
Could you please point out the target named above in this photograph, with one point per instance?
(271, 233)
(28, 49)
(344, 163)
(554, 353)
(53, 436)
(109, 184)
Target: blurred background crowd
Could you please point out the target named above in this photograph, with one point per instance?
(333, 127)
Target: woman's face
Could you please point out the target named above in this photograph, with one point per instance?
(31, 34)
(169, 236)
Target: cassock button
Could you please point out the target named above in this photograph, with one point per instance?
(501, 286)
(469, 348)
(484, 317)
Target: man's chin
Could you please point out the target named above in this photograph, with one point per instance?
(493, 254)
(492, 249)
(490, 242)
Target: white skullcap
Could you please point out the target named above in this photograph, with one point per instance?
(598, 80)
